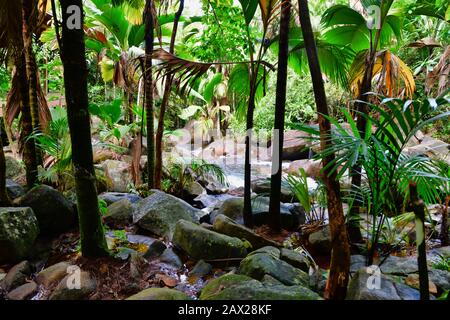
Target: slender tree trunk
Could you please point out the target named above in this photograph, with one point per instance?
(336, 287)
(92, 235)
(164, 103)
(419, 211)
(29, 148)
(148, 92)
(29, 9)
(280, 105)
(445, 241)
(247, 211)
(361, 123)
(4, 198)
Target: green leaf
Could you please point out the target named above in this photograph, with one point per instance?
(249, 9)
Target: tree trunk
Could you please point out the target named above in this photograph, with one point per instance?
(419, 211)
(4, 198)
(445, 241)
(164, 103)
(361, 123)
(148, 92)
(29, 148)
(247, 211)
(92, 235)
(336, 287)
(280, 104)
(29, 9)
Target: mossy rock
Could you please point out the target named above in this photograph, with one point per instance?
(200, 243)
(240, 287)
(18, 230)
(159, 294)
(260, 264)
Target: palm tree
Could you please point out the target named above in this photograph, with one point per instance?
(164, 102)
(336, 287)
(347, 27)
(148, 91)
(280, 104)
(93, 243)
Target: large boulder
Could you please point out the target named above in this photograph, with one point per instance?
(296, 145)
(53, 211)
(259, 264)
(160, 212)
(312, 167)
(200, 243)
(118, 175)
(262, 187)
(240, 287)
(19, 229)
(111, 197)
(368, 285)
(320, 241)
(14, 189)
(291, 215)
(401, 266)
(119, 213)
(160, 294)
(14, 168)
(225, 225)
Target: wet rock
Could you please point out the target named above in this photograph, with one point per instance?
(201, 269)
(171, 258)
(200, 243)
(363, 286)
(273, 251)
(233, 208)
(160, 294)
(52, 274)
(120, 213)
(413, 280)
(295, 145)
(357, 262)
(53, 211)
(225, 225)
(259, 264)
(295, 259)
(16, 276)
(14, 189)
(160, 212)
(118, 175)
(399, 265)
(440, 278)
(312, 167)
(23, 292)
(111, 197)
(195, 189)
(69, 289)
(262, 187)
(268, 279)
(14, 168)
(18, 231)
(155, 250)
(320, 241)
(239, 287)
